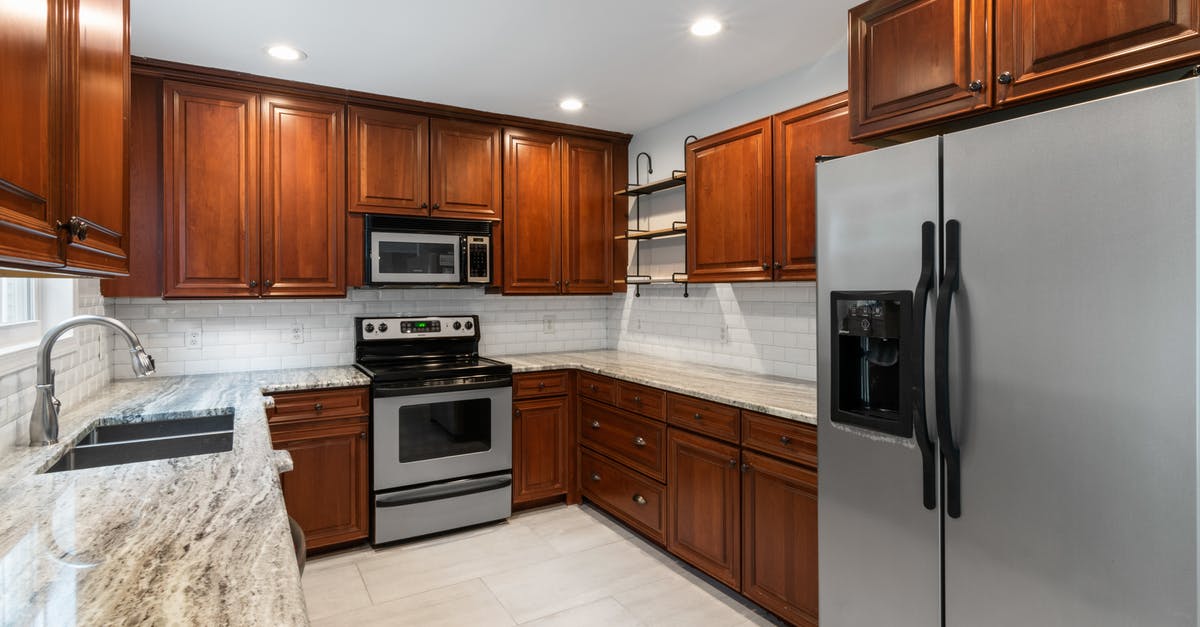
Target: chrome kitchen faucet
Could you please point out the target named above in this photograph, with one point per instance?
(43, 423)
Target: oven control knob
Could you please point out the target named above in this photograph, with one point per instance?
(370, 327)
(457, 325)
(470, 325)
(383, 327)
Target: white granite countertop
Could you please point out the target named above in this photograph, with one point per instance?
(199, 540)
(793, 399)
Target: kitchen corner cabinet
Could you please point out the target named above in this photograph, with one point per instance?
(703, 504)
(542, 437)
(405, 164)
(252, 199)
(819, 128)
(729, 202)
(64, 194)
(916, 63)
(558, 202)
(327, 491)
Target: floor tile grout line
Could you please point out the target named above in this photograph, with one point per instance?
(504, 607)
(364, 583)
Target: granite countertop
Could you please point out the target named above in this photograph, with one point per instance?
(793, 399)
(191, 540)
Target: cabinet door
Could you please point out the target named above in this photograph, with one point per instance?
(303, 219)
(801, 135)
(587, 226)
(729, 205)
(389, 162)
(703, 505)
(913, 62)
(464, 170)
(1052, 47)
(540, 447)
(532, 213)
(327, 491)
(29, 135)
(779, 510)
(210, 191)
(97, 147)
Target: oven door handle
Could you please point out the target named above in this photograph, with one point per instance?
(462, 487)
(383, 390)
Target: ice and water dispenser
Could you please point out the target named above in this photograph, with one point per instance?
(871, 369)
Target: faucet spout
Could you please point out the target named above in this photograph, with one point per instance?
(43, 422)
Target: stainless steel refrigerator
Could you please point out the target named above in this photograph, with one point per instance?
(1007, 358)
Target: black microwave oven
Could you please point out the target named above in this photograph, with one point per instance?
(417, 252)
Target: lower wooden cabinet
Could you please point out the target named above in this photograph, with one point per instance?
(703, 500)
(540, 448)
(779, 537)
(327, 490)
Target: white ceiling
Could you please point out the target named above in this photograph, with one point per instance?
(632, 62)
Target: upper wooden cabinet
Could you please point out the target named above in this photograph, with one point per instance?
(558, 236)
(1049, 47)
(302, 194)
(252, 198)
(917, 63)
(820, 128)
(729, 202)
(64, 65)
(403, 164)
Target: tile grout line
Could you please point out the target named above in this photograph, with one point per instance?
(504, 607)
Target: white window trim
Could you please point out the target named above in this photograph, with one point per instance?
(26, 336)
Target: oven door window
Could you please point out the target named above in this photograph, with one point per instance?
(416, 257)
(445, 429)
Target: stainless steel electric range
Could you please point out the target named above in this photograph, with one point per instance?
(441, 425)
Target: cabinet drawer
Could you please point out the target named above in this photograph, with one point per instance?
(600, 388)
(789, 439)
(719, 421)
(532, 384)
(638, 442)
(643, 400)
(625, 494)
(319, 404)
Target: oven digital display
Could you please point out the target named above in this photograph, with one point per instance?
(420, 326)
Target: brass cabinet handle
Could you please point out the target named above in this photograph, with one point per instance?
(362, 435)
(268, 283)
(595, 424)
(639, 499)
(541, 385)
(253, 283)
(637, 398)
(746, 468)
(697, 416)
(785, 440)
(733, 463)
(318, 406)
(592, 387)
(595, 476)
(437, 206)
(424, 205)
(517, 411)
(639, 441)
(778, 265)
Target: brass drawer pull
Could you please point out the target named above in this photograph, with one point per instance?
(639, 441)
(592, 387)
(595, 424)
(785, 440)
(639, 499)
(318, 406)
(697, 416)
(541, 385)
(637, 399)
(595, 476)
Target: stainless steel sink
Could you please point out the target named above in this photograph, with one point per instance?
(110, 445)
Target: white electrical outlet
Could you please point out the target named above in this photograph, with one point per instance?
(195, 338)
(724, 333)
(637, 324)
(297, 333)
(548, 324)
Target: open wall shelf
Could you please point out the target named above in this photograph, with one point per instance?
(677, 228)
(678, 178)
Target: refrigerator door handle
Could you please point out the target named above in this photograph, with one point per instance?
(920, 299)
(941, 367)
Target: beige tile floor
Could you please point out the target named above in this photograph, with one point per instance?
(562, 565)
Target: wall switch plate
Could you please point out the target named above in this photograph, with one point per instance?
(296, 333)
(195, 339)
(548, 324)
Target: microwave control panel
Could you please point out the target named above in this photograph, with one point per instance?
(394, 328)
(479, 257)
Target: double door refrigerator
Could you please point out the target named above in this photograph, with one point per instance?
(1007, 358)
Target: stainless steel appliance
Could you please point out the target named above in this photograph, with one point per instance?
(441, 423)
(1007, 358)
(426, 251)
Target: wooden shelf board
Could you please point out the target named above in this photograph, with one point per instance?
(678, 177)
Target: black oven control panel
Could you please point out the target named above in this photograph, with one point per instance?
(404, 327)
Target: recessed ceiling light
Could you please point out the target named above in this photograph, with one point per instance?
(571, 104)
(286, 53)
(705, 27)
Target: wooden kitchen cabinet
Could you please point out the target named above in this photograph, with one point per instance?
(532, 213)
(303, 182)
(541, 448)
(253, 199)
(64, 65)
(779, 544)
(464, 170)
(729, 205)
(819, 128)
(917, 62)
(1050, 47)
(388, 162)
(703, 505)
(327, 491)
(210, 191)
(587, 224)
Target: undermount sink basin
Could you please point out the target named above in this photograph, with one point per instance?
(110, 445)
